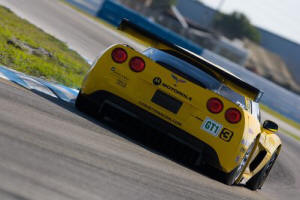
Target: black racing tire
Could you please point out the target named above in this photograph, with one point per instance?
(257, 181)
(80, 102)
(232, 177)
(87, 105)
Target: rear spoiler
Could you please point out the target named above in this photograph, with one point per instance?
(150, 39)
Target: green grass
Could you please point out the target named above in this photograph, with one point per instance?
(279, 116)
(58, 63)
(296, 137)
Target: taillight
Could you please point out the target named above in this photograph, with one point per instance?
(119, 55)
(233, 115)
(137, 64)
(214, 105)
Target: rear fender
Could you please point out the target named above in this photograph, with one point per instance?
(265, 146)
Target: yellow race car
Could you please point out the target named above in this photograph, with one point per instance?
(187, 98)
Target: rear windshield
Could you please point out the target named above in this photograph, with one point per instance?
(189, 71)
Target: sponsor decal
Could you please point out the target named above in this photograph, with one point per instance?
(174, 90)
(148, 107)
(118, 74)
(121, 83)
(121, 79)
(226, 135)
(157, 81)
(178, 80)
(211, 127)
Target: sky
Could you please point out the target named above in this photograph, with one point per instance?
(278, 16)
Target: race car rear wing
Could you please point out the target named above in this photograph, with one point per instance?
(149, 39)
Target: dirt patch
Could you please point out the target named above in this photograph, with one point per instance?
(26, 47)
(270, 65)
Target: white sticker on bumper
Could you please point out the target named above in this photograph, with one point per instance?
(211, 127)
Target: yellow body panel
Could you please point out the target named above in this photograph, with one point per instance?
(143, 38)
(268, 142)
(139, 88)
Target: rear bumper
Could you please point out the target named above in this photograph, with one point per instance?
(97, 101)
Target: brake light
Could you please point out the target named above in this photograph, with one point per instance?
(214, 105)
(233, 115)
(119, 55)
(137, 64)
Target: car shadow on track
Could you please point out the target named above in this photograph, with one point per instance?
(139, 134)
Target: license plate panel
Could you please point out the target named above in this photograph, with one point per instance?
(166, 101)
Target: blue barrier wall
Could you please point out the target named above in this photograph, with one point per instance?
(114, 12)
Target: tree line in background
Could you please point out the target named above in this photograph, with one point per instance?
(236, 25)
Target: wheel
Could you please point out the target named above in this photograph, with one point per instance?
(232, 177)
(257, 181)
(79, 103)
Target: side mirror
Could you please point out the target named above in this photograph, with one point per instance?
(270, 126)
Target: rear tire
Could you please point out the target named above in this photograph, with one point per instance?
(232, 177)
(79, 102)
(257, 181)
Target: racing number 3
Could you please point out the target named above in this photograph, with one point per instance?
(226, 135)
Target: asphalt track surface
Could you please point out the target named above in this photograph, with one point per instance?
(49, 150)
